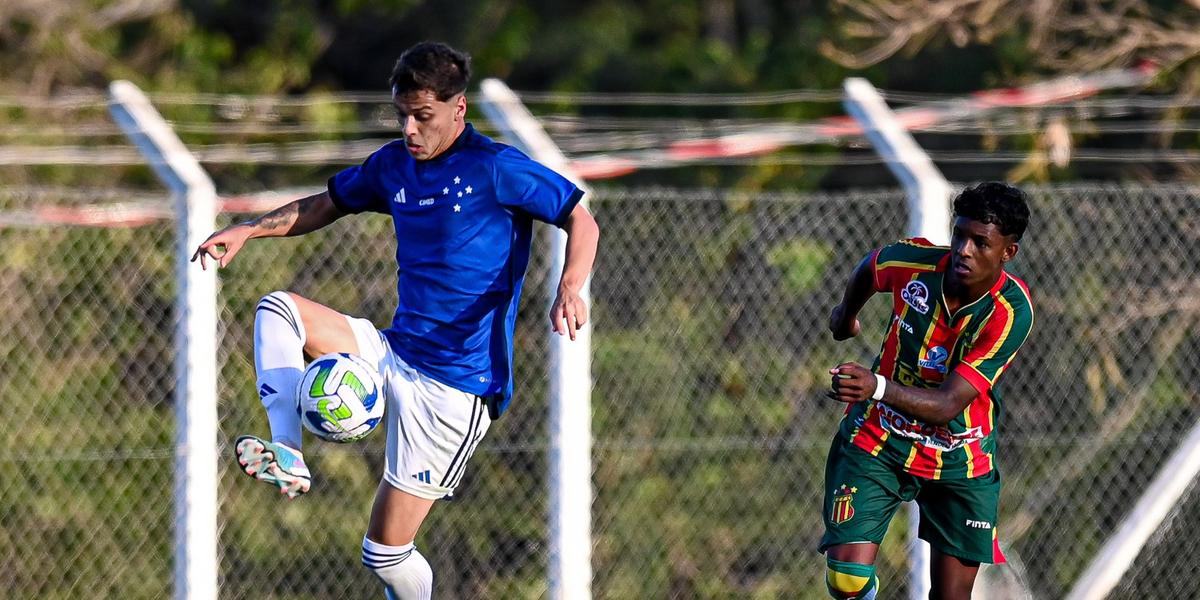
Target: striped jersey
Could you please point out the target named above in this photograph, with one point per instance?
(922, 346)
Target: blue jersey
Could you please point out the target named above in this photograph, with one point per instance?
(464, 225)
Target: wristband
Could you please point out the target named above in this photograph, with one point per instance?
(880, 386)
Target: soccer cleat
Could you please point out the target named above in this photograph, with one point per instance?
(273, 463)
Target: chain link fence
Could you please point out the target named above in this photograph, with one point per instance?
(709, 359)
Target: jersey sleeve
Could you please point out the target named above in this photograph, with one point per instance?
(355, 190)
(999, 338)
(524, 184)
(894, 265)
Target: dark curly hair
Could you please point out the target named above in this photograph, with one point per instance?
(995, 202)
(432, 66)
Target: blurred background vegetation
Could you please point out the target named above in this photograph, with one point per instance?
(710, 428)
(285, 47)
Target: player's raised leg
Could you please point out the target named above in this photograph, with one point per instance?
(287, 326)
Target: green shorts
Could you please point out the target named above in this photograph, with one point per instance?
(862, 493)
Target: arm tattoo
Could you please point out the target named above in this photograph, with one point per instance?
(281, 217)
(288, 214)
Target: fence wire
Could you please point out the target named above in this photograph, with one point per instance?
(710, 351)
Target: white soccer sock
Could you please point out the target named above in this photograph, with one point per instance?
(279, 362)
(405, 574)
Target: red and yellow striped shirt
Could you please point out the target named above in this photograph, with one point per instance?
(922, 345)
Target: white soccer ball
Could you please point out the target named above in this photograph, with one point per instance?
(341, 397)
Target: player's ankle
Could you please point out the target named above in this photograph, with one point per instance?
(288, 443)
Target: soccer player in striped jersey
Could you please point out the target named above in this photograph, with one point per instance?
(921, 423)
(463, 208)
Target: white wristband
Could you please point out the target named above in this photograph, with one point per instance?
(880, 386)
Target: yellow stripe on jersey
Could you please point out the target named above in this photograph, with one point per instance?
(1025, 293)
(1012, 316)
(967, 448)
(905, 265)
(933, 323)
(966, 321)
(912, 455)
(878, 447)
(866, 416)
(926, 244)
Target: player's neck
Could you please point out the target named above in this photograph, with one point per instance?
(449, 149)
(957, 294)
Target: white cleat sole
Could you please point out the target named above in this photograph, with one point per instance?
(257, 461)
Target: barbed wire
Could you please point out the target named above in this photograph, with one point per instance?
(348, 153)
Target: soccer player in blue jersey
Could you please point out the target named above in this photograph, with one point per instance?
(463, 207)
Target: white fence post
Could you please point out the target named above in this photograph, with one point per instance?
(928, 217)
(570, 377)
(1118, 554)
(195, 342)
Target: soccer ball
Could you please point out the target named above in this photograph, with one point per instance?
(340, 397)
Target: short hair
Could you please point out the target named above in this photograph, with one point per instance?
(431, 66)
(995, 202)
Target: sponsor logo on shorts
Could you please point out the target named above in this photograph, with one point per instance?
(978, 524)
(423, 476)
(843, 504)
(937, 437)
(935, 359)
(916, 295)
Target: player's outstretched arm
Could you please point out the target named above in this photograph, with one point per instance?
(569, 312)
(294, 218)
(853, 382)
(843, 321)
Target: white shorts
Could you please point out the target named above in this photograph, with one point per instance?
(432, 428)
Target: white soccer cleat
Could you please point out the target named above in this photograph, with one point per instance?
(273, 463)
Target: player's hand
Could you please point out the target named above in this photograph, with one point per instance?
(568, 313)
(842, 328)
(851, 382)
(222, 246)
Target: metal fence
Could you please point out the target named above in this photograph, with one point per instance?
(710, 349)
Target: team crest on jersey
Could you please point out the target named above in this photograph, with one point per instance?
(935, 359)
(843, 504)
(916, 295)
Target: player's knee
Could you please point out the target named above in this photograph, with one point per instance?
(402, 570)
(278, 296)
(850, 581)
(282, 305)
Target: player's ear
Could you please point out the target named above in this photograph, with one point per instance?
(460, 107)
(1010, 251)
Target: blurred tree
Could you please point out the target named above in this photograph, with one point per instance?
(1061, 35)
